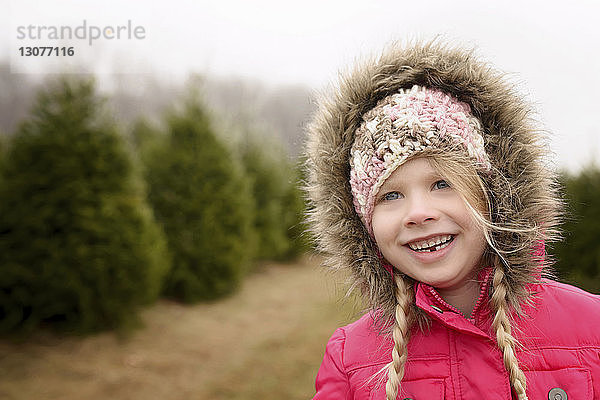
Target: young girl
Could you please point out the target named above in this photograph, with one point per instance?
(427, 181)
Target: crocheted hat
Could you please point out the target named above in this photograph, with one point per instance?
(401, 125)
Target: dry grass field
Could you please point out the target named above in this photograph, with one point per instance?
(265, 342)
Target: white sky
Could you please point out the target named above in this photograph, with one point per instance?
(551, 47)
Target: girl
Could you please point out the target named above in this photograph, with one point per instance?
(427, 181)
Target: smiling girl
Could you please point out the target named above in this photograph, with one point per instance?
(427, 181)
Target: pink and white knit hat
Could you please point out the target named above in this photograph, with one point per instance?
(401, 125)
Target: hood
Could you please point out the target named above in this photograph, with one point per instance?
(522, 190)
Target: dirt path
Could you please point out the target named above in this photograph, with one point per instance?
(265, 342)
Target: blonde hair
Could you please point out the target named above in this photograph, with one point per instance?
(461, 173)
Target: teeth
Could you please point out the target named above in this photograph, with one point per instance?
(439, 242)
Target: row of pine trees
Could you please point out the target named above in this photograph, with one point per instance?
(95, 224)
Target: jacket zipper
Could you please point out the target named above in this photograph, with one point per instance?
(482, 294)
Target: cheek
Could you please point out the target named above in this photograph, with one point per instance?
(469, 224)
(383, 228)
(478, 241)
(463, 216)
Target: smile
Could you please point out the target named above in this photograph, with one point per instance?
(433, 244)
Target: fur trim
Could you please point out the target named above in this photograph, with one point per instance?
(522, 189)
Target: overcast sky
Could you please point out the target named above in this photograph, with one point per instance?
(552, 49)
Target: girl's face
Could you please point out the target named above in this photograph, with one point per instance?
(423, 228)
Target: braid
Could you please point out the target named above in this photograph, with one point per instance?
(400, 334)
(506, 342)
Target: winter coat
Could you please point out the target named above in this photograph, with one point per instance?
(457, 358)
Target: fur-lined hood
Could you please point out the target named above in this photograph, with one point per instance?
(522, 189)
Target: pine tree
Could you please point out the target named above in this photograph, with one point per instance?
(3, 141)
(294, 215)
(278, 200)
(79, 247)
(578, 255)
(202, 197)
(144, 136)
(268, 171)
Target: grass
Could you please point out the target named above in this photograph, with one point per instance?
(265, 342)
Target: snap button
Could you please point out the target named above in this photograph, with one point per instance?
(557, 394)
(438, 310)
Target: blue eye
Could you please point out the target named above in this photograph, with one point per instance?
(442, 184)
(392, 196)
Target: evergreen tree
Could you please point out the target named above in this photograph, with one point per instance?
(269, 172)
(144, 136)
(578, 255)
(295, 212)
(203, 199)
(2, 149)
(278, 200)
(79, 248)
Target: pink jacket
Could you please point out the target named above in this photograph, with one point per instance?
(458, 357)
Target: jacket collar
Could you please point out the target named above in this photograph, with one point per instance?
(428, 299)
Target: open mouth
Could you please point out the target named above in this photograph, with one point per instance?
(430, 245)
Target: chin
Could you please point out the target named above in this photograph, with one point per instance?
(441, 282)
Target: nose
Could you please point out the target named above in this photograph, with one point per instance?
(420, 211)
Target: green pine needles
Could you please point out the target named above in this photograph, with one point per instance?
(79, 248)
(201, 196)
(279, 206)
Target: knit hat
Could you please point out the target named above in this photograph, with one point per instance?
(401, 125)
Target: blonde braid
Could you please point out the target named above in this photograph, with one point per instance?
(400, 334)
(506, 342)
